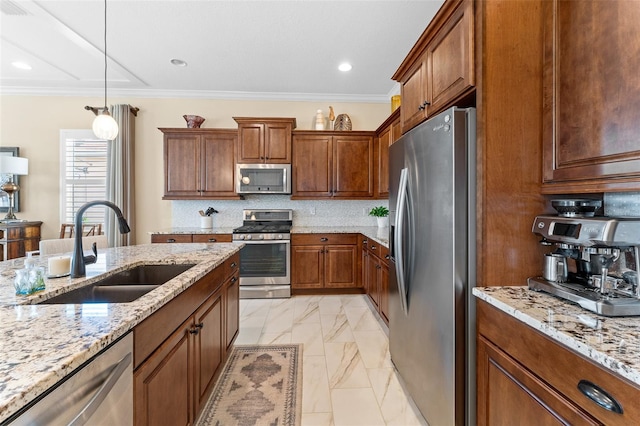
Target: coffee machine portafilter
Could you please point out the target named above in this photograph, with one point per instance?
(594, 262)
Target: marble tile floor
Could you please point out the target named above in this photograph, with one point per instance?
(348, 377)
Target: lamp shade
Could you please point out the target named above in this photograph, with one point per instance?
(105, 127)
(13, 165)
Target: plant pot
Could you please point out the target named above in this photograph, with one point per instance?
(383, 222)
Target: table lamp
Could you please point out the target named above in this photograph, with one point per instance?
(12, 166)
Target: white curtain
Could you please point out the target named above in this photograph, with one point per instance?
(120, 176)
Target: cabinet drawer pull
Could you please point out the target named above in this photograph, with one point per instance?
(365, 241)
(387, 257)
(324, 239)
(234, 279)
(373, 247)
(171, 240)
(233, 264)
(599, 396)
(212, 240)
(194, 330)
(200, 325)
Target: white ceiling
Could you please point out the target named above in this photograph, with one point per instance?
(234, 49)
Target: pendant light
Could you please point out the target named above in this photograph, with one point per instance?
(104, 125)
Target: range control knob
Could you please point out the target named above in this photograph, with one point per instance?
(261, 237)
(248, 237)
(279, 236)
(241, 237)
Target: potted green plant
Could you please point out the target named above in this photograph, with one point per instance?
(381, 213)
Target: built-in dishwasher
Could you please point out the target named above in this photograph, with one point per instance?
(99, 393)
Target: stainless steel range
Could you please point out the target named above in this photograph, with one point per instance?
(265, 260)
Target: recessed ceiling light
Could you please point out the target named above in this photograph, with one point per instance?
(178, 62)
(21, 65)
(345, 66)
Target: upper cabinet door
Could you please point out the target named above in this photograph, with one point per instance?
(218, 154)
(353, 167)
(450, 60)
(591, 140)
(277, 143)
(312, 166)
(414, 96)
(251, 143)
(182, 164)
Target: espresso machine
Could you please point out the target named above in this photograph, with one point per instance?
(593, 261)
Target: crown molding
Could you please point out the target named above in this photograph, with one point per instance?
(194, 94)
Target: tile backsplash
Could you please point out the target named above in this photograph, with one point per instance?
(305, 212)
(626, 204)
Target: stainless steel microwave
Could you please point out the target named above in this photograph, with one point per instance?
(263, 178)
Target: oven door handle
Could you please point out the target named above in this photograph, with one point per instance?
(263, 241)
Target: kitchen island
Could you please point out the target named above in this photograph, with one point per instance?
(544, 355)
(41, 344)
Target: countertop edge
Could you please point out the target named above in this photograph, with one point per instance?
(589, 352)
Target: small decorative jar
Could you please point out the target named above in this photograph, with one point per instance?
(343, 122)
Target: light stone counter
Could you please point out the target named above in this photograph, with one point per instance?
(380, 235)
(614, 343)
(195, 230)
(41, 344)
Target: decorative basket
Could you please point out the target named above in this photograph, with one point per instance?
(193, 121)
(343, 122)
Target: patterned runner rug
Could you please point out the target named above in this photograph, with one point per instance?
(260, 385)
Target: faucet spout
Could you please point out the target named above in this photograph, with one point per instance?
(77, 260)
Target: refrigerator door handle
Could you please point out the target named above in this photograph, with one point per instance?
(399, 237)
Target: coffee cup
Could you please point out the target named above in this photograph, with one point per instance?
(555, 267)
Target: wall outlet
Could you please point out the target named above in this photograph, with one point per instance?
(312, 211)
(364, 211)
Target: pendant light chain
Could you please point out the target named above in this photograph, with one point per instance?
(105, 55)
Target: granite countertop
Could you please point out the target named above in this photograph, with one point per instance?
(380, 235)
(195, 230)
(613, 343)
(41, 344)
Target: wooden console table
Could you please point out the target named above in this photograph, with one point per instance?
(17, 238)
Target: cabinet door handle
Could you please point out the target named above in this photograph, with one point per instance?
(387, 257)
(324, 239)
(599, 396)
(365, 241)
(373, 247)
(234, 279)
(212, 240)
(194, 330)
(378, 267)
(171, 240)
(199, 325)
(424, 105)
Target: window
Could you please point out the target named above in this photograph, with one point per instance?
(83, 174)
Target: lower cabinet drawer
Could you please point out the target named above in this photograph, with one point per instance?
(171, 238)
(211, 238)
(311, 239)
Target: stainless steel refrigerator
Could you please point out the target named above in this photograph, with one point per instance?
(432, 270)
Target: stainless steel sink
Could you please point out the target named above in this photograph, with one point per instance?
(122, 287)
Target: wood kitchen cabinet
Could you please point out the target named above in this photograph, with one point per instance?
(333, 165)
(591, 139)
(179, 350)
(199, 163)
(191, 238)
(534, 377)
(387, 134)
(375, 270)
(17, 238)
(441, 66)
(264, 140)
(325, 261)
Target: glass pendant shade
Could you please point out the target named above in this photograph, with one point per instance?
(104, 126)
